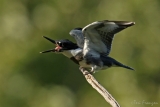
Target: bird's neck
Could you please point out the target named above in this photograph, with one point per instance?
(67, 53)
(72, 53)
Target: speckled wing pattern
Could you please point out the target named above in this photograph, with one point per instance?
(106, 31)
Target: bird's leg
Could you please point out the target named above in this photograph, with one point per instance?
(92, 70)
(96, 67)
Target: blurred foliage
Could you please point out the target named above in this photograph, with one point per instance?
(30, 79)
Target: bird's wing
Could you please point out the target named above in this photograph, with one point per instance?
(78, 36)
(99, 35)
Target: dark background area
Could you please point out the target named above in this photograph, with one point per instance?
(30, 79)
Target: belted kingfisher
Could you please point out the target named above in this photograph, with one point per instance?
(75, 53)
(96, 39)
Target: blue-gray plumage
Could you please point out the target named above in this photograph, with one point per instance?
(73, 52)
(96, 39)
(78, 35)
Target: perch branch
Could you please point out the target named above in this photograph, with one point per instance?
(97, 86)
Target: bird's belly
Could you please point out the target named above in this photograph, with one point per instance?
(105, 67)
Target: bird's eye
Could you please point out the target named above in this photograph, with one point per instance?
(60, 44)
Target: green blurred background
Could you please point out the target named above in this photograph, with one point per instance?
(30, 79)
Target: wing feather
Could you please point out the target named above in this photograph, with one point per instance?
(99, 35)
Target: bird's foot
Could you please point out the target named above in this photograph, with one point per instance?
(92, 71)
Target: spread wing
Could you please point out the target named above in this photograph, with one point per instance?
(99, 35)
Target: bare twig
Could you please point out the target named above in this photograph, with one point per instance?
(97, 86)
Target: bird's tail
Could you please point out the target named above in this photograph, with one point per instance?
(118, 64)
(124, 66)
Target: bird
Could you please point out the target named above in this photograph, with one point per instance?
(96, 38)
(75, 53)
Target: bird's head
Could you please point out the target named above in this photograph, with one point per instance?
(61, 45)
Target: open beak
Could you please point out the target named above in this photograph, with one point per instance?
(53, 41)
(51, 50)
(57, 49)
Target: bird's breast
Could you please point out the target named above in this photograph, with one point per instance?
(67, 54)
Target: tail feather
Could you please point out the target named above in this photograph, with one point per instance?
(113, 62)
(124, 66)
(118, 64)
